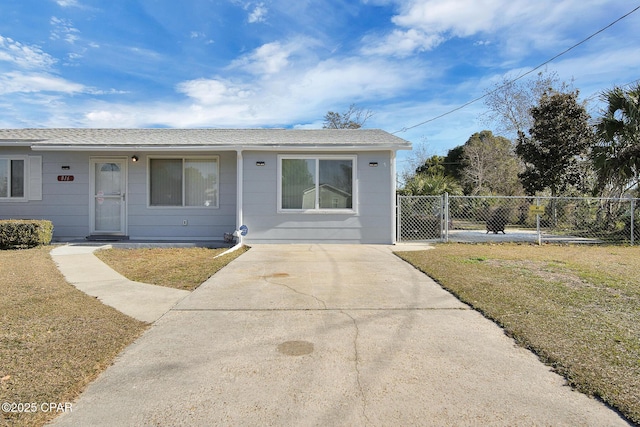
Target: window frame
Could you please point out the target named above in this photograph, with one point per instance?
(183, 159)
(318, 157)
(25, 179)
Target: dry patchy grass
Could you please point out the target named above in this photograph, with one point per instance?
(577, 307)
(181, 268)
(54, 339)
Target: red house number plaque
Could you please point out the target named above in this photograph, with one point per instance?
(65, 178)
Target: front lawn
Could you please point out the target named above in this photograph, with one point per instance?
(180, 268)
(577, 307)
(54, 339)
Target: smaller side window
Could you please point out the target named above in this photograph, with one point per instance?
(12, 178)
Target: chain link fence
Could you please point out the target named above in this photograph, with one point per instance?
(518, 219)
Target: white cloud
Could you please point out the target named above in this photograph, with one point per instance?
(424, 24)
(67, 3)
(402, 43)
(24, 56)
(15, 82)
(212, 91)
(199, 35)
(258, 14)
(268, 59)
(284, 98)
(63, 30)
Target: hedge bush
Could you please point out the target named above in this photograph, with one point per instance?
(25, 233)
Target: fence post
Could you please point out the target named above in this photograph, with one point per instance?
(445, 209)
(633, 219)
(398, 218)
(538, 223)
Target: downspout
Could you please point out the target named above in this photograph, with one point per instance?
(239, 189)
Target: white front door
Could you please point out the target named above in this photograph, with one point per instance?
(108, 183)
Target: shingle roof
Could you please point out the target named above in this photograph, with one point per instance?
(84, 137)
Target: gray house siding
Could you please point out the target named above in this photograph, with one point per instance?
(147, 222)
(328, 206)
(370, 223)
(63, 203)
(67, 204)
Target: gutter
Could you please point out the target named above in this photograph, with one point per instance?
(209, 148)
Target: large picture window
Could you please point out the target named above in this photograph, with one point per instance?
(12, 178)
(183, 182)
(316, 183)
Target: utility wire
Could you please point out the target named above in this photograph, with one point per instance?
(519, 77)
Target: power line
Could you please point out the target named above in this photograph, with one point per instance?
(519, 77)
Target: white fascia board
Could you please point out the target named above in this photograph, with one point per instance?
(142, 148)
(132, 148)
(16, 143)
(317, 148)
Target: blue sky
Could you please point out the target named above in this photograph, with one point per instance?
(285, 63)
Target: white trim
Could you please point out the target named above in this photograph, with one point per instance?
(92, 194)
(35, 178)
(183, 158)
(25, 180)
(394, 198)
(239, 191)
(317, 158)
(210, 148)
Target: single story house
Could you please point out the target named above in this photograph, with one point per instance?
(264, 185)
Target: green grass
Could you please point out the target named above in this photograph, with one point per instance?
(577, 307)
(181, 268)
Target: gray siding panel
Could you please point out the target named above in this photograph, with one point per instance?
(66, 204)
(147, 222)
(371, 223)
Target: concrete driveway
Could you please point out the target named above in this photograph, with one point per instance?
(328, 335)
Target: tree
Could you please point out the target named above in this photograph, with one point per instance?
(559, 137)
(510, 101)
(616, 154)
(490, 165)
(431, 185)
(432, 166)
(353, 118)
(454, 162)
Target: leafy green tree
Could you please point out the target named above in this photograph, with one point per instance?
(431, 185)
(616, 154)
(559, 138)
(353, 118)
(454, 162)
(490, 165)
(510, 102)
(432, 166)
(430, 179)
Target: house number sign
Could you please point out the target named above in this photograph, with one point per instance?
(65, 178)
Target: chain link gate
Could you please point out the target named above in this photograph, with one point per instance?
(420, 218)
(518, 219)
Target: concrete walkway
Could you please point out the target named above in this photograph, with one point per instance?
(93, 277)
(328, 335)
